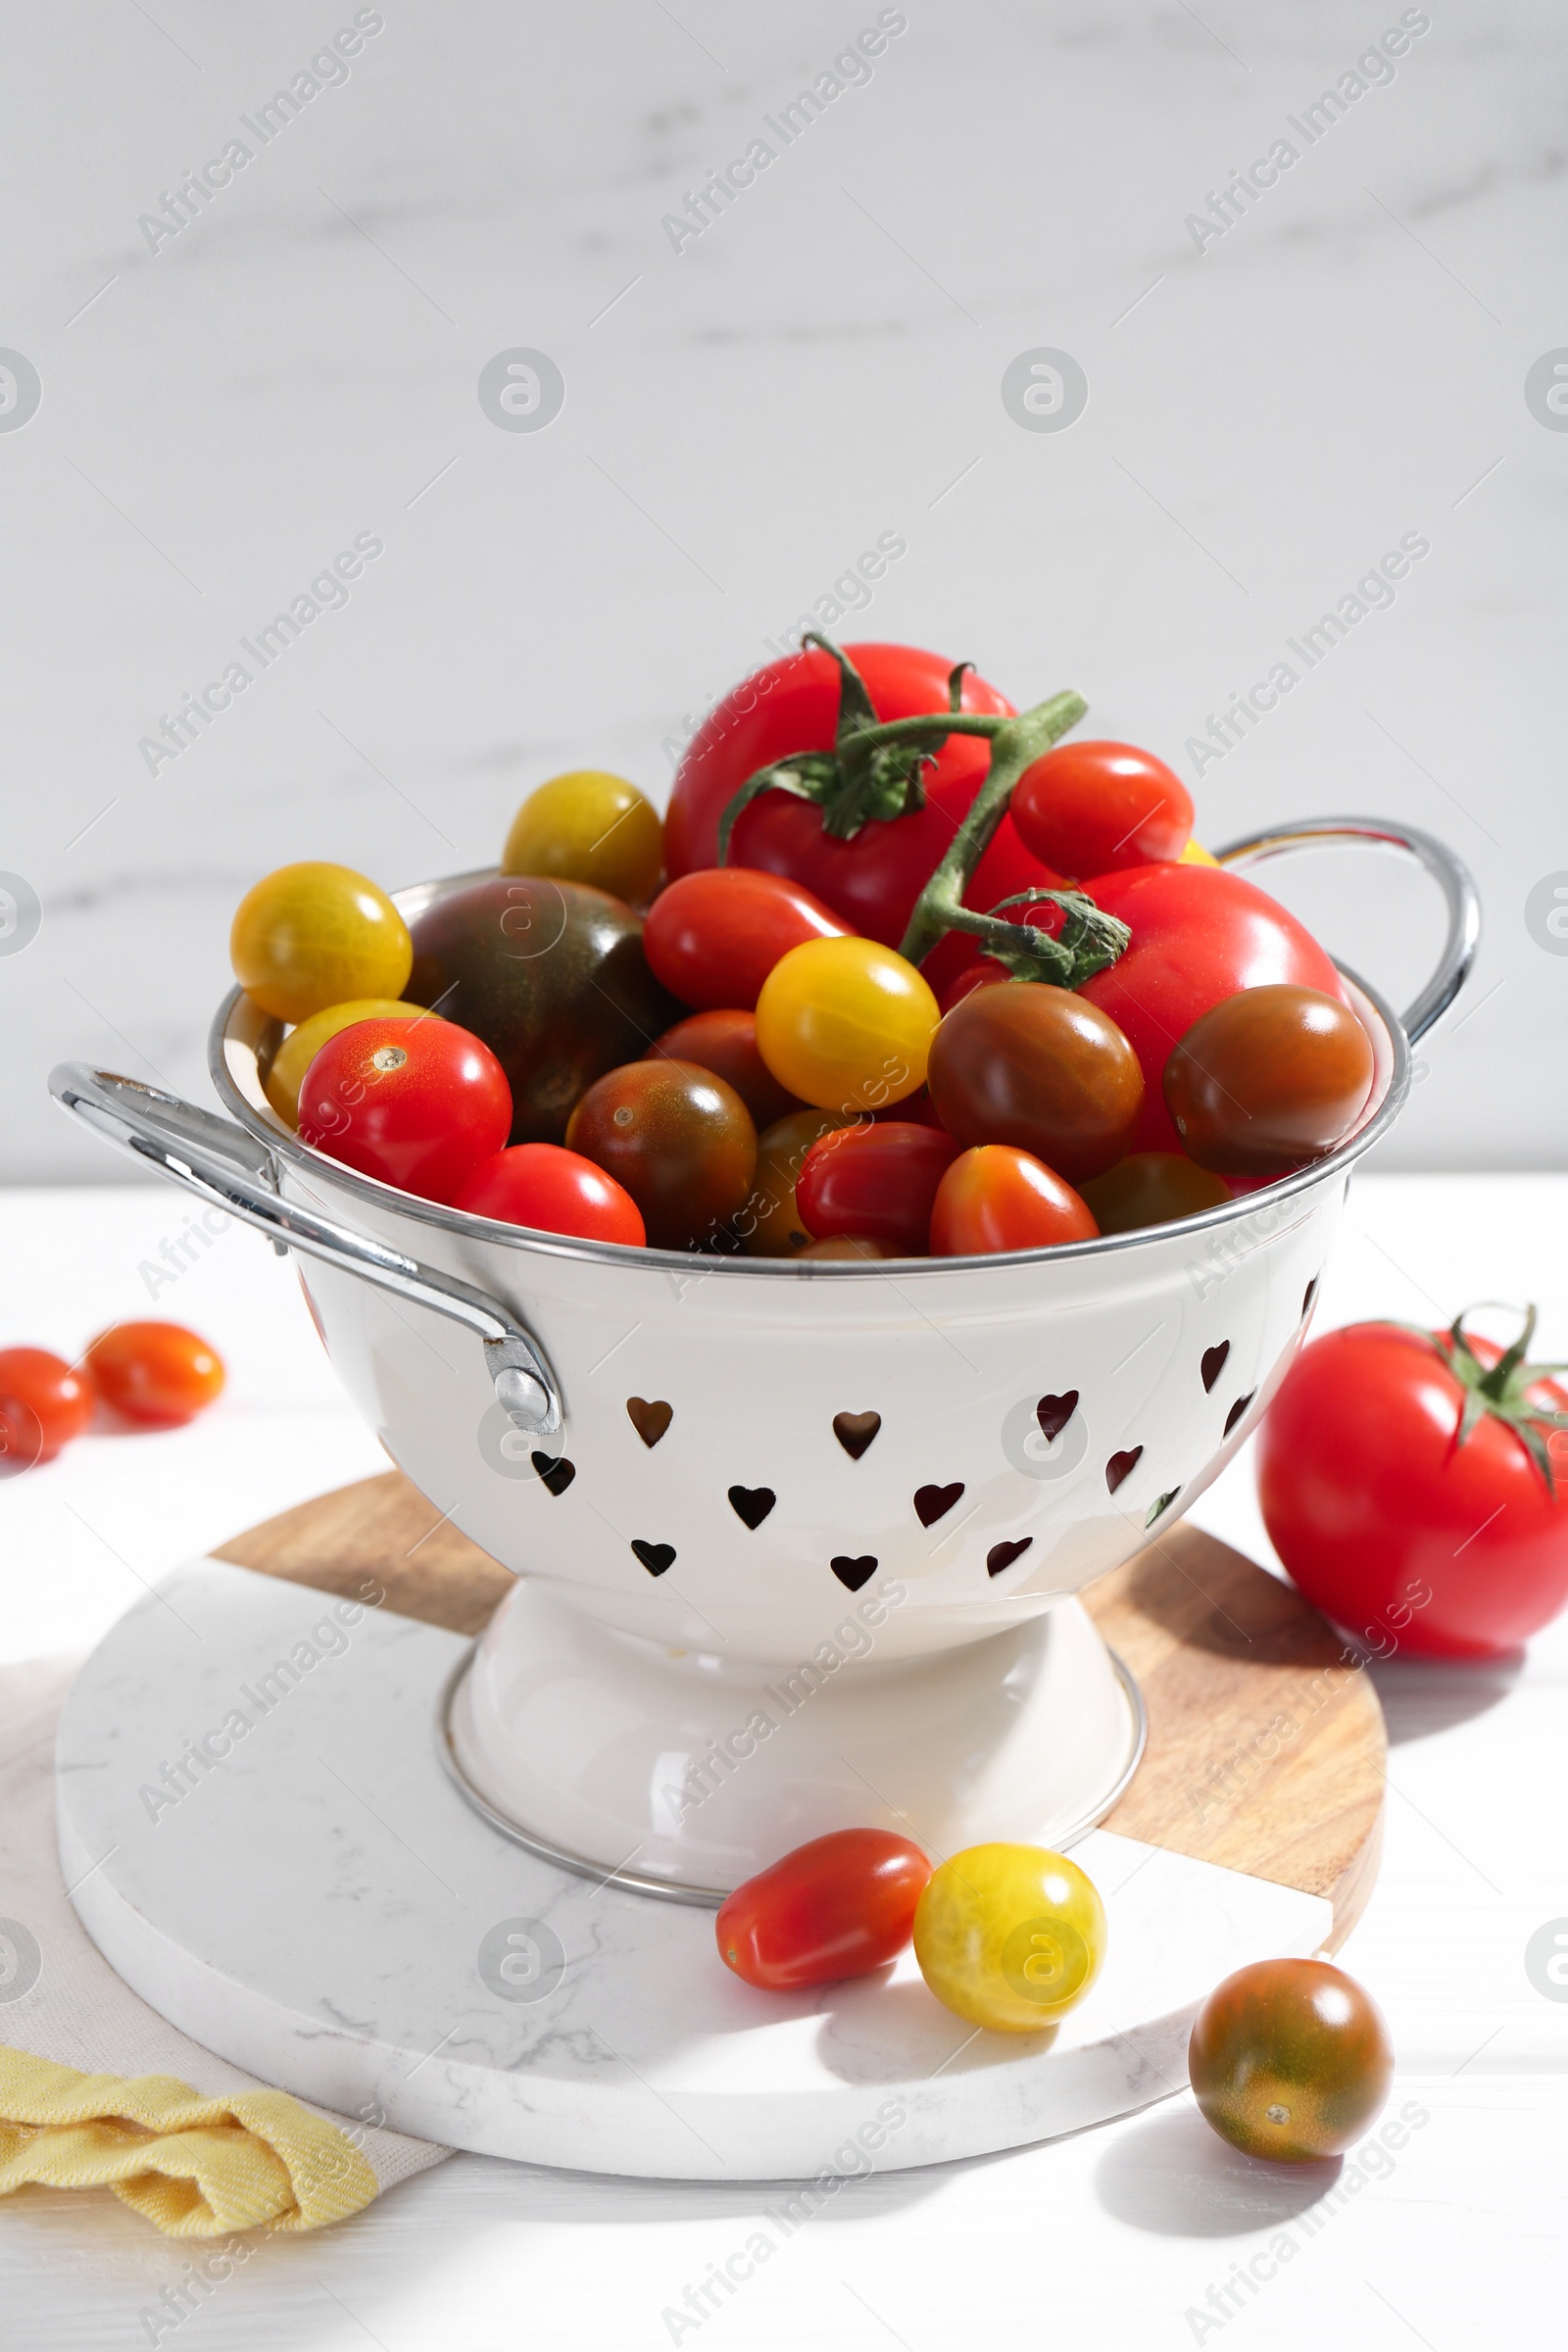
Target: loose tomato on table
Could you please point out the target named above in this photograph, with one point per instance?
(1096, 807)
(160, 1374)
(1414, 1486)
(415, 1104)
(875, 1183)
(996, 1197)
(1010, 1936)
(1200, 934)
(1037, 1067)
(678, 1139)
(839, 1906)
(712, 937)
(552, 1191)
(1268, 1081)
(45, 1402)
(1290, 2060)
(872, 880)
(316, 934)
(726, 1043)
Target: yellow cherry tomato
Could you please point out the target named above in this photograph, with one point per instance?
(1194, 854)
(777, 1231)
(312, 935)
(286, 1073)
(1010, 1936)
(846, 1024)
(589, 827)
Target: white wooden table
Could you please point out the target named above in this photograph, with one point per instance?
(1143, 2234)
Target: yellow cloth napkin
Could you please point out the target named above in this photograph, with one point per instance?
(98, 2091)
(195, 2167)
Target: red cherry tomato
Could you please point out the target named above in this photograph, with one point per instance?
(711, 938)
(872, 881)
(415, 1104)
(554, 1191)
(43, 1405)
(157, 1373)
(838, 1907)
(876, 1183)
(1393, 1527)
(726, 1043)
(1198, 935)
(998, 1197)
(1094, 807)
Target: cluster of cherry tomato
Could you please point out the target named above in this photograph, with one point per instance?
(866, 992)
(1289, 2059)
(156, 1375)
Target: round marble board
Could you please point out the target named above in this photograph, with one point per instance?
(324, 1908)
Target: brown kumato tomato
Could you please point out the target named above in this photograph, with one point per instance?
(1041, 1068)
(1290, 2059)
(1270, 1080)
(726, 1043)
(551, 976)
(770, 1225)
(678, 1140)
(1152, 1188)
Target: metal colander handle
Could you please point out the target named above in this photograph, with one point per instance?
(1450, 873)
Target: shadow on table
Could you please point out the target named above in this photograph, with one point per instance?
(1172, 2176)
(1422, 1696)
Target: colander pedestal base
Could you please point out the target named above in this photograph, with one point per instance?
(684, 1772)
(320, 1907)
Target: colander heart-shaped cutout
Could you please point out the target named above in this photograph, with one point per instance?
(854, 1432)
(932, 1503)
(1002, 1555)
(654, 1557)
(854, 1573)
(1121, 1465)
(1213, 1364)
(555, 1470)
(650, 1420)
(752, 1505)
(1055, 1413)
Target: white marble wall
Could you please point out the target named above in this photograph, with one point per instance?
(300, 365)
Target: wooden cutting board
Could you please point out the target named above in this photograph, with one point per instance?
(1266, 1750)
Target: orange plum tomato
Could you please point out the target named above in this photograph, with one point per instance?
(1152, 1188)
(1092, 807)
(998, 1197)
(45, 1402)
(286, 1071)
(589, 827)
(875, 1183)
(842, 1246)
(712, 937)
(1268, 1081)
(839, 1906)
(159, 1374)
(551, 1190)
(678, 1139)
(312, 935)
(769, 1225)
(413, 1104)
(846, 1024)
(724, 1040)
(1010, 1936)
(1290, 2060)
(1039, 1067)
